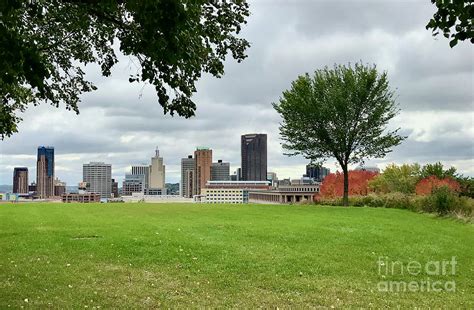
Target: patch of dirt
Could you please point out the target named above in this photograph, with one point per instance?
(86, 237)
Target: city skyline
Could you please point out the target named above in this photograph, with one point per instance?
(433, 84)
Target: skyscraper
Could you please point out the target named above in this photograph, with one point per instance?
(254, 157)
(316, 172)
(20, 180)
(202, 164)
(143, 169)
(157, 172)
(45, 172)
(98, 177)
(220, 171)
(114, 190)
(187, 176)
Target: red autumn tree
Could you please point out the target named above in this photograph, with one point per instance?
(427, 185)
(333, 184)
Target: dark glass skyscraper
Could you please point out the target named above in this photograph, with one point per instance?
(45, 172)
(316, 172)
(254, 157)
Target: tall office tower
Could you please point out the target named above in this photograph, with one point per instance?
(98, 177)
(316, 172)
(45, 172)
(202, 164)
(145, 170)
(114, 190)
(254, 157)
(220, 171)
(157, 172)
(20, 180)
(187, 177)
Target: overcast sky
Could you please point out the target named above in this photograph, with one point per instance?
(122, 123)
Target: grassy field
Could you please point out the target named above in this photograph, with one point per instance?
(171, 255)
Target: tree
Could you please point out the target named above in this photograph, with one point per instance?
(466, 186)
(45, 44)
(332, 185)
(454, 18)
(438, 171)
(342, 113)
(402, 179)
(427, 185)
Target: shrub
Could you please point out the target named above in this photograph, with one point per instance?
(442, 201)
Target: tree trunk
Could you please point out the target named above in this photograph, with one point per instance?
(345, 197)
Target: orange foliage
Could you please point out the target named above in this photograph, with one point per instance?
(427, 185)
(333, 184)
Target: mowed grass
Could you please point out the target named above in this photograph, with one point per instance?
(245, 256)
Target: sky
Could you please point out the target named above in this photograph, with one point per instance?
(122, 123)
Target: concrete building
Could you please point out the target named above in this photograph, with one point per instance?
(82, 197)
(59, 187)
(187, 177)
(230, 191)
(316, 172)
(202, 164)
(155, 191)
(20, 180)
(145, 170)
(272, 177)
(45, 172)
(369, 168)
(140, 197)
(254, 157)
(285, 194)
(98, 177)
(157, 171)
(302, 181)
(32, 187)
(220, 171)
(133, 183)
(237, 176)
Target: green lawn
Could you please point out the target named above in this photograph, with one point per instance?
(171, 255)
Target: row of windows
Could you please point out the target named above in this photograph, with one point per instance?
(299, 189)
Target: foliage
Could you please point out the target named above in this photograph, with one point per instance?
(428, 185)
(332, 185)
(454, 18)
(341, 112)
(395, 178)
(467, 186)
(439, 201)
(437, 170)
(442, 200)
(45, 44)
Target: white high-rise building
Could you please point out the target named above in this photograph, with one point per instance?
(145, 170)
(98, 177)
(157, 172)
